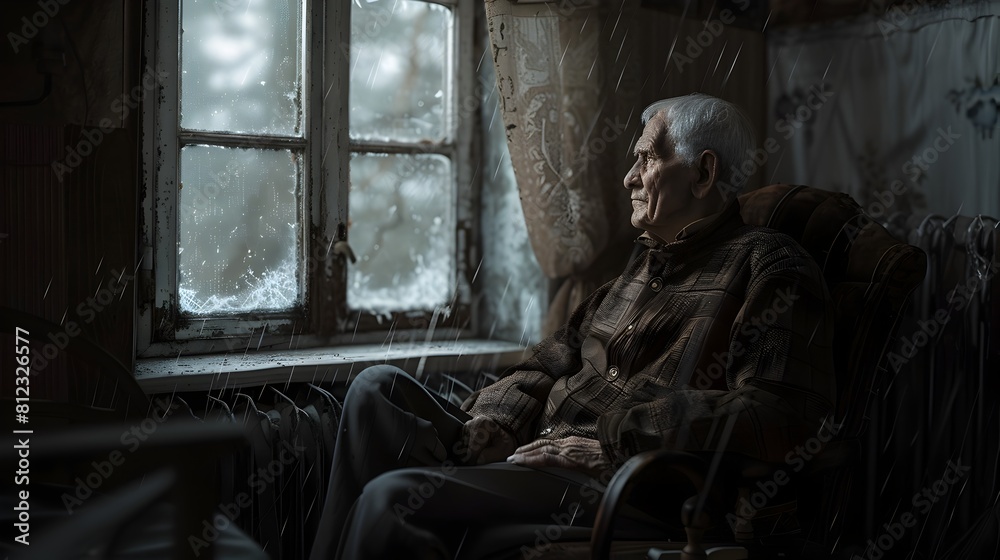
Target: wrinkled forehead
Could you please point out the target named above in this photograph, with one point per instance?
(654, 137)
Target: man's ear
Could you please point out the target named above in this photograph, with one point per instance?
(707, 167)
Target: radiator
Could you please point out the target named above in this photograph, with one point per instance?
(940, 408)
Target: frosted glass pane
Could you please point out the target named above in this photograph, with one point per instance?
(238, 232)
(241, 66)
(399, 61)
(403, 232)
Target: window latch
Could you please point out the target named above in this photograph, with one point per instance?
(344, 249)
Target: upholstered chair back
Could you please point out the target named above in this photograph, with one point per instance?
(869, 273)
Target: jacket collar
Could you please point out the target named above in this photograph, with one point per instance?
(700, 230)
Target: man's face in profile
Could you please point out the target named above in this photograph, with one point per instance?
(659, 182)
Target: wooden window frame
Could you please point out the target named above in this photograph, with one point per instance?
(323, 318)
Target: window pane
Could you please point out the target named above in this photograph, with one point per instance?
(399, 77)
(403, 231)
(241, 66)
(238, 238)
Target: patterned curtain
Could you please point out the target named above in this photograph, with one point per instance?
(899, 110)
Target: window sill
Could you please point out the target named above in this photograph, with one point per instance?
(320, 365)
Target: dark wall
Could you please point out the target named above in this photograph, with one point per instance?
(69, 182)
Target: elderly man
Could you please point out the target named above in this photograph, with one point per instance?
(716, 336)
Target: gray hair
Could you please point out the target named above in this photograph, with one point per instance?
(699, 122)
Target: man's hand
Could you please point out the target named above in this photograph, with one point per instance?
(574, 452)
(485, 442)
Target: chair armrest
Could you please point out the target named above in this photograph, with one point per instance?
(697, 511)
(692, 467)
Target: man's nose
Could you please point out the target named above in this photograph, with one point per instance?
(631, 180)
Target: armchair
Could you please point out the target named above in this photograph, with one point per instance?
(870, 276)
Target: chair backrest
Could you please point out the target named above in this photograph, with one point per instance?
(869, 273)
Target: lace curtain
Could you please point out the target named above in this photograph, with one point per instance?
(912, 119)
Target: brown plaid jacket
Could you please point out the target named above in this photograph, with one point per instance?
(718, 340)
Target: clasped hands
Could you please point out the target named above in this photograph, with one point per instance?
(487, 442)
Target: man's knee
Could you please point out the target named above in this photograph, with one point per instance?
(403, 492)
(375, 380)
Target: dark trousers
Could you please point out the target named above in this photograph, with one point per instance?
(398, 489)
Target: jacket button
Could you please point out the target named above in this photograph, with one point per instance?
(613, 372)
(656, 284)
